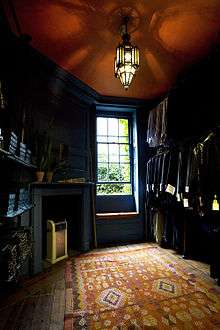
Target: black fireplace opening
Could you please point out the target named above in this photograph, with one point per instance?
(59, 208)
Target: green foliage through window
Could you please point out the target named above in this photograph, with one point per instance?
(113, 155)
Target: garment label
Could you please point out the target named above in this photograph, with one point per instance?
(186, 189)
(215, 206)
(185, 202)
(170, 189)
(152, 187)
(147, 187)
(200, 201)
(161, 186)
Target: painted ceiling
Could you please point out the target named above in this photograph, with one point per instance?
(81, 36)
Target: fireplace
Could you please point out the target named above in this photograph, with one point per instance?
(58, 208)
(57, 202)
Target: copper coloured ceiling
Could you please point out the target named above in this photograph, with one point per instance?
(81, 36)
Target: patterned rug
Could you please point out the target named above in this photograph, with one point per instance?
(138, 287)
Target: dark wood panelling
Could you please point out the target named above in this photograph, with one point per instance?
(119, 231)
(46, 92)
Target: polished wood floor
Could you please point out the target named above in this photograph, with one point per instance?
(38, 303)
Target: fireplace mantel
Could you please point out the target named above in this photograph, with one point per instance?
(40, 190)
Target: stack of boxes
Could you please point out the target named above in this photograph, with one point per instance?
(22, 151)
(7, 203)
(28, 156)
(23, 199)
(12, 143)
(9, 142)
(14, 201)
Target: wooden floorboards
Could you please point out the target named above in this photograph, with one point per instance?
(38, 304)
(40, 301)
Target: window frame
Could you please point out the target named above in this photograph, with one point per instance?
(118, 115)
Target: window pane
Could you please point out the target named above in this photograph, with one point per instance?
(102, 138)
(114, 153)
(113, 139)
(114, 189)
(126, 189)
(102, 152)
(114, 173)
(113, 126)
(123, 139)
(124, 159)
(113, 157)
(124, 150)
(101, 126)
(123, 127)
(125, 172)
(102, 172)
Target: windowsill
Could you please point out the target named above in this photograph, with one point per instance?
(116, 215)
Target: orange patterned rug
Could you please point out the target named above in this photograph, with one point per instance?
(138, 287)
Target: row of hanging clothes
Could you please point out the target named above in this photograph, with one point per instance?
(183, 192)
(157, 124)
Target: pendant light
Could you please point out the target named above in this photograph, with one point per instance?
(127, 58)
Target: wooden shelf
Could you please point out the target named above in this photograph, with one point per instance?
(15, 158)
(60, 185)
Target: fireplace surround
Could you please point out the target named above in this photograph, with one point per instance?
(42, 190)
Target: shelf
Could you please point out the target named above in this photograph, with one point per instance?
(4, 152)
(18, 212)
(16, 159)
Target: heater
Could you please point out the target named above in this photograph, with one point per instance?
(56, 241)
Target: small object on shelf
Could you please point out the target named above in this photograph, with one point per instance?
(10, 141)
(13, 143)
(49, 176)
(22, 151)
(39, 176)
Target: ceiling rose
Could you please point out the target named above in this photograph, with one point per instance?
(117, 16)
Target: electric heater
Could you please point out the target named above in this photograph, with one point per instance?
(56, 241)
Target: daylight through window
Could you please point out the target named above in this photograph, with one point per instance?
(113, 156)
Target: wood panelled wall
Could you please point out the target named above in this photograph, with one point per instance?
(50, 100)
(35, 85)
